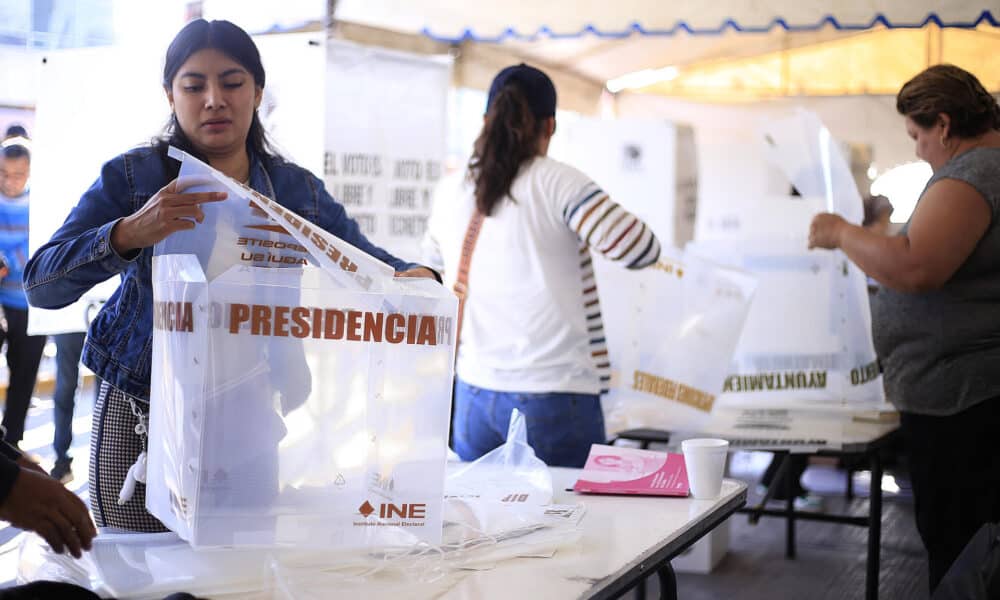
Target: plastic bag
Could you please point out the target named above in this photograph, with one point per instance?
(498, 493)
(496, 508)
(672, 329)
(304, 405)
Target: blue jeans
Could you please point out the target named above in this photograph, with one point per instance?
(68, 349)
(561, 426)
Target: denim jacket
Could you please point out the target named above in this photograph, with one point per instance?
(79, 255)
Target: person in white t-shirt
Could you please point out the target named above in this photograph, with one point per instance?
(531, 335)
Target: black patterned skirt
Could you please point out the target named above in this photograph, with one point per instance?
(114, 447)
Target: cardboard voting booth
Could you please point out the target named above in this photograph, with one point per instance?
(300, 393)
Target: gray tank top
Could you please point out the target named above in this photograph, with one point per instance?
(941, 349)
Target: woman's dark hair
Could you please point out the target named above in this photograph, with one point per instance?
(953, 91)
(234, 43)
(510, 137)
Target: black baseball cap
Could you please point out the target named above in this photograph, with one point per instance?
(536, 85)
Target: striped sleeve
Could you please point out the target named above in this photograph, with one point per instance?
(595, 324)
(610, 230)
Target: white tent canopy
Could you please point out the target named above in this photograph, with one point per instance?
(728, 50)
(458, 20)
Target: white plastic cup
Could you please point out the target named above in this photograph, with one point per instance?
(705, 461)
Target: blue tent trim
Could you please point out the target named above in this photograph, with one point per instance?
(544, 32)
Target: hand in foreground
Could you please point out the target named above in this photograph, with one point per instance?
(41, 504)
(26, 463)
(168, 211)
(417, 272)
(825, 231)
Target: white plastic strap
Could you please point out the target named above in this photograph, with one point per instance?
(137, 472)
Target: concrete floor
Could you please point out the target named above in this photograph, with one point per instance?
(831, 558)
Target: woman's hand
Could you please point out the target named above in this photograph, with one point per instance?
(417, 272)
(168, 211)
(826, 230)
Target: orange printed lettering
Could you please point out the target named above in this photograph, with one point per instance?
(238, 314)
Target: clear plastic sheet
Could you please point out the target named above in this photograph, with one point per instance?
(145, 566)
(673, 328)
(485, 523)
(496, 508)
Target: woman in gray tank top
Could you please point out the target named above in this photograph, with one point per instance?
(937, 317)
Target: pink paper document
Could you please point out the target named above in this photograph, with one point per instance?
(614, 470)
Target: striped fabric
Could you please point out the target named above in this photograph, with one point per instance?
(618, 235)
(612, 231)
(595, 324)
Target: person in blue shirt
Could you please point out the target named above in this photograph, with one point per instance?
(24, 351)
(14, 174)
(214, 82)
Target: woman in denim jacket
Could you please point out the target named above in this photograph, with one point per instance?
(214, 81)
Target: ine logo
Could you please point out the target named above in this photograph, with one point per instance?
(389, 511)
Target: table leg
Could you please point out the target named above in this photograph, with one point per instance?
(755, 513)
(874, 527)
(668, 582)
(789, 513)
